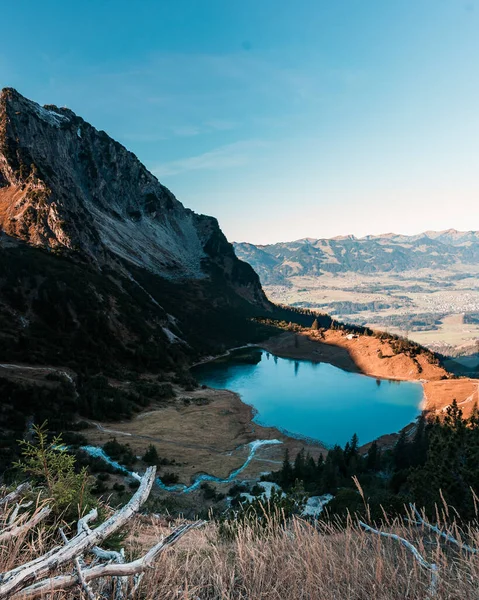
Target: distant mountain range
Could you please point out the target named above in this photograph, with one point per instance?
(390, 252)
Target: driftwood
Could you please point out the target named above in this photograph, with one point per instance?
(135, 567)
(431, 567)
(15, 529)
(439, 532)
(36, 578)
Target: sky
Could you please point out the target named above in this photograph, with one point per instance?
(284, 120)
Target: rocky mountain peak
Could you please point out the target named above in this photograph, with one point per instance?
(66, 185)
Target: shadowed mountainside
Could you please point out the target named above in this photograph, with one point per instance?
(100, 263)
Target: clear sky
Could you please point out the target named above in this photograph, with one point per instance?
(283, 119)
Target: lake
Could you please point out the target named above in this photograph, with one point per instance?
(314, 400)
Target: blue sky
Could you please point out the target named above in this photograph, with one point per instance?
(282, 119)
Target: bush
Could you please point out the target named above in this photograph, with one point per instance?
(169, 478)
(151, 456)
(52, 469)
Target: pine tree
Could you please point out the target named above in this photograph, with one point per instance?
(286, 473)
(315, 325)
(419, 443)
(373, 460)
(351, 455)
(151, 456)
(299, 466)
(401, 453)
(330, 475)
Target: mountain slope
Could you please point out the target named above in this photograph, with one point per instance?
(275, 263)
(99, 262)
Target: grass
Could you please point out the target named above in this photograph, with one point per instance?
(298, 561)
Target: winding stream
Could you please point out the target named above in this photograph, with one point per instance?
(199, 479)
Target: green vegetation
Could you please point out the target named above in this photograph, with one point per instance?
(51, 468)
(438, 464)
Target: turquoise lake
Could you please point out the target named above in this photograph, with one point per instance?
(314, 400)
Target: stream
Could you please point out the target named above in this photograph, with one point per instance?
(199, 479)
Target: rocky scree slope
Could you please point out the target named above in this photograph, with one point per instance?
(98, 260)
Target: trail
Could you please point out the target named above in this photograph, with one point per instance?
(28, 368)
(466, 401)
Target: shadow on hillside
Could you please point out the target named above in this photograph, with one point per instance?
(292, 345)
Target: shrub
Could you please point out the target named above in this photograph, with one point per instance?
(53, 470)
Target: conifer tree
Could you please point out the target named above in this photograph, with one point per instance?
(299, 466)
(373, 460)
(151, 456)
(286, 474)
(401, 453)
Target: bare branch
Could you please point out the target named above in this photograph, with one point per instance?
(64, 582)
(107, 554)
(446, 536)
(17, 493)
(83, 522)
(14, 515)
(422, 561)
(136, 585)
(13, 581)
(83, 584)
(15, 530)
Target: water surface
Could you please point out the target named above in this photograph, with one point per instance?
(314, 400)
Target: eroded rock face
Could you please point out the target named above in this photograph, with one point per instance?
(64, 184)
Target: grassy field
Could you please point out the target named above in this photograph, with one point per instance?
(203, 431)
(298, 560)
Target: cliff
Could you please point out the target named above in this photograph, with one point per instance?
(93, 246)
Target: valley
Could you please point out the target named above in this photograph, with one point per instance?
(111, 294)
(423, 287)
(219, 378)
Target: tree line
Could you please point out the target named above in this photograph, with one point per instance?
(435, 465)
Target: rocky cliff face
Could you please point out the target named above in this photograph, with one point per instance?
(76, 200)
(63, 184)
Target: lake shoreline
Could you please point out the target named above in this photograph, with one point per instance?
(316, 409)
(362, 354)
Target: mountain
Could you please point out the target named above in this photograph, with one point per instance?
(100, 264)
(276, 263)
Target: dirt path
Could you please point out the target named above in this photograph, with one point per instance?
(32, 372)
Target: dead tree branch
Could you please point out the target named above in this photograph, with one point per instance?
(135, 567)
(431, 567)
(23, 576)
(443, 534)
(83, 584)
(15, 529)
(17, 493)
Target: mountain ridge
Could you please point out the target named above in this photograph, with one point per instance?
(99, 260)
(275, 263)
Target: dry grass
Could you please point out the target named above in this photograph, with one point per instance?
(301, 561)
